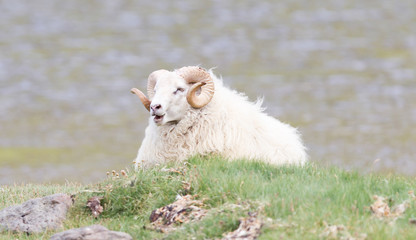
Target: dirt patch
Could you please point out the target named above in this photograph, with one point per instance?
(94, 204)
(184, 210)
(381, 209)
(249, 229)
(187, 209)
(340, 232)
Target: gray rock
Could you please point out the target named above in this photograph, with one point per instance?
(36, 215)
(94, 232)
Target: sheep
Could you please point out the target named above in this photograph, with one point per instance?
(193, 113)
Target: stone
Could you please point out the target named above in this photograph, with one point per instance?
(36, 215)
(93, 232)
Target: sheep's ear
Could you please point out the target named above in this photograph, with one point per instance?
(143, 98)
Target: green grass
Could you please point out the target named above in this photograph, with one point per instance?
(296, 203)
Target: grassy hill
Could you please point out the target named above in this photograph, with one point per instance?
(310, 202)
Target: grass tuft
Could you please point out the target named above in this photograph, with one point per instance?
(294, 202)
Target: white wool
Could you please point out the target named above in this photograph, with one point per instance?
(229, 126)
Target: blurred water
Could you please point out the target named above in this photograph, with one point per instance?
(342, 71)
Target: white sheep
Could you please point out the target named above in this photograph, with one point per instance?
(191, 113)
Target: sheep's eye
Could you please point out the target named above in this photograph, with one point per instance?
(179, 90)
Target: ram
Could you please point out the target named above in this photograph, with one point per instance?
(192, 112)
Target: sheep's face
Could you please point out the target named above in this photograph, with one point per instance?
(172, 94)
(169, 103)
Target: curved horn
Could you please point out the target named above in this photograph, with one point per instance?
(151, 81)
(143, 98)
(202, 80)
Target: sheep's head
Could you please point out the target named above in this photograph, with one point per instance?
(171, 92)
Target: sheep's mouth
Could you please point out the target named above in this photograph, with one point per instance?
(158, 118)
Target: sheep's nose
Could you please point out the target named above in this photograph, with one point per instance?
(156, 107)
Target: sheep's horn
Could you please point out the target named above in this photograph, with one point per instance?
(151, 82)
(202, 80)
(152, 79)
(143, 98)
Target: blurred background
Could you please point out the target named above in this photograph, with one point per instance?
(342, 71)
